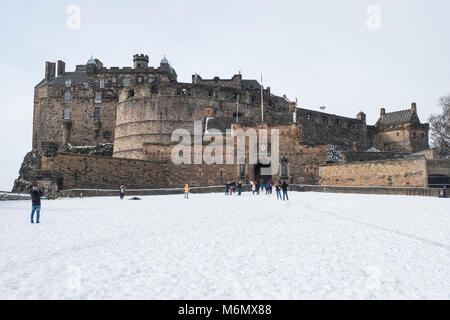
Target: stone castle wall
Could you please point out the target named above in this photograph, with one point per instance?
(323, 128)
(83, 171)
(407, 139)
(389, 173)
(81, 129)
(152, 113)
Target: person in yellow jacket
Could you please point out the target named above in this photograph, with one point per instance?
(186, 191)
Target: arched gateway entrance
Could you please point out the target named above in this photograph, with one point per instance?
(258, 176)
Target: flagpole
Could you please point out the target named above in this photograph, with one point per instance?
(262, 101)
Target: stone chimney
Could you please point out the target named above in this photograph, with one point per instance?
(50, 70)
(61, 67)
(414, 107)
(361, 116)
(382, 111)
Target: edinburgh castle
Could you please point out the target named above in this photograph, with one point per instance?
(98, 127)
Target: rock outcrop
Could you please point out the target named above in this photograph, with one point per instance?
(24, 183)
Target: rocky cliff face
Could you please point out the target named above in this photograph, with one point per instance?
(24, 182)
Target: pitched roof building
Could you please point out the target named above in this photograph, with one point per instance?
(401, 131)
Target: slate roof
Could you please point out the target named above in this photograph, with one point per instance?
(397, 118)
(78, 77)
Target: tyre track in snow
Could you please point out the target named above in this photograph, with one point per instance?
(399, 233)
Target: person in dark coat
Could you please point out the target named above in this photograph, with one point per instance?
(239, 188)
(284, 187)
(227, 188)
(35, 204)
(122, 191)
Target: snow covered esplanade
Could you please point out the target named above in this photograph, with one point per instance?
(317, 245)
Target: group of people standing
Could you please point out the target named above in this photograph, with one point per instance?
(268, 187)
(231, 187)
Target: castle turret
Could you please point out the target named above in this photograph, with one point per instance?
(361, 116)
(140, 61)
(414, 107)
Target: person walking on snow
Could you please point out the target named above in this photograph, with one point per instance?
(253, 186)
(186, 191)
(227, 188)
(35, 204)
(278, 190)
(122, 191)
(284, 187)
(239, 188)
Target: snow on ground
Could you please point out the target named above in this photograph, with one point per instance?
(317, 245)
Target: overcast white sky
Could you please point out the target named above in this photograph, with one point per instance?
(321, 51)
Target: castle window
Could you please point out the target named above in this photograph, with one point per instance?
(102, 83)
(151, 80)
(98, 97)
(97, 114)
(398, 134)
(414, 135)
(126, 82)
(67, 97)
(324, 119)
(309, 116)
(114, 79)
(338, 121)
(85, 85)
(253, 99)
(130, 93)
(68, 83)
(423, 135)
(139, 79)
(66, 113)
